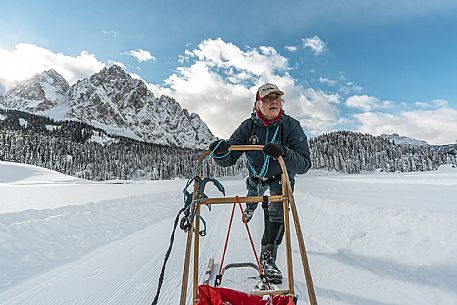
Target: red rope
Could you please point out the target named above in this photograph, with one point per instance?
(250, 237)
(249, 234)
(227, 239)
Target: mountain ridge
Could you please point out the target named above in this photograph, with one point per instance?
(113, 100)
(403, 140)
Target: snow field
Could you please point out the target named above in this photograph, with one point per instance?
(34, 241)
(413, 250)
(380, 239)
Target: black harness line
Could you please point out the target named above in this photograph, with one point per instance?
(186, 222)
(167, 256)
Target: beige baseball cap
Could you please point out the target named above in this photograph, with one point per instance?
(267, 89)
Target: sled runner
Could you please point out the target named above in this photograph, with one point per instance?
(208, 295)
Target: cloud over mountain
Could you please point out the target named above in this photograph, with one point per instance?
(26, 60)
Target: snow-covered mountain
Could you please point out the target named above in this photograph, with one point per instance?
(113, 100)
(43, 92)
(402, 140)
(411, 142)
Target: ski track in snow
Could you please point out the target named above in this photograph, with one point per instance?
(371, 276)
(359, 254)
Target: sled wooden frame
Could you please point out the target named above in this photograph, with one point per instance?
(288, 200)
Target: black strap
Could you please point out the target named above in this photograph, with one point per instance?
(167, 255)
(265, 200)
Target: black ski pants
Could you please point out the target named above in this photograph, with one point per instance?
(273, 212)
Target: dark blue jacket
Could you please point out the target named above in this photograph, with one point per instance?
(253, 131)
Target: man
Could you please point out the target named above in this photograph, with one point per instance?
(283, 136)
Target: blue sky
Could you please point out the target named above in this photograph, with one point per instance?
(370, 66)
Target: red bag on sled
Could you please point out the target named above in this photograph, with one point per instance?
(223, 296)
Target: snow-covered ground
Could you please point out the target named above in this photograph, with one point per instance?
(378, 239)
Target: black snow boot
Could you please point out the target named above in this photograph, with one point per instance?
(267, 260)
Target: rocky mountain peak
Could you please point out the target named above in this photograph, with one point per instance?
(112, 73)
(115, 70)
(111, 99)
(44, 91)
(49, 77)
(53, 74)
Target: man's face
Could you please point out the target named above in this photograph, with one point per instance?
(270, 106)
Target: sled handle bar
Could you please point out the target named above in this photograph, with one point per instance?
(246, 147)
(232, 148)
(230, 266)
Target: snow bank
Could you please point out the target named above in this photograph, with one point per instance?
(11, 172)
(408, 239)
(24, 187)
(402, 235)
(34, 241)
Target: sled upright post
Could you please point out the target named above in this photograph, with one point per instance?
(288, 200)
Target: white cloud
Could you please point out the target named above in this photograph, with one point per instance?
(440, 103)
(350, 88)
(26, 60)
(117, 63)
(315, 44)
(141, 55)
(291, 48)
(357, 88)
(184, 58)
(327, 81)
(422, 104)
(367, 103)
(110, 32)
(222, 79)
(434, 126)
(316, 110)
(264, 61)
(222, 105)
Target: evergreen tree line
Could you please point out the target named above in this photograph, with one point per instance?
(352, 152)
(94, 161)
(69, 147)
